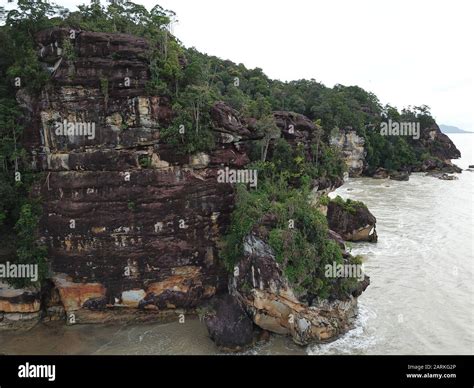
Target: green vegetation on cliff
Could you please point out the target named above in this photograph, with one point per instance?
(349, 205)
(297, 233)
(194, 82)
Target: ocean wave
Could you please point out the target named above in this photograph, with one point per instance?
(356, 341)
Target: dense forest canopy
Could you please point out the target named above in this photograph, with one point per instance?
(194, 81)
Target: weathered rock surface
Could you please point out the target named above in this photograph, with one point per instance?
(400, 175)
(380, 173)
(228, 325)
(437, 144)
(131, 224)
(298, 129)
(129, 221)
(357, 225)
(352, 147)
(263, 289)
(19, 308)
(442, 176)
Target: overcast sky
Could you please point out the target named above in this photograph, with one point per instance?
(408, 52)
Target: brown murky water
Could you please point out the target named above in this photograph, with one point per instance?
(189, 338)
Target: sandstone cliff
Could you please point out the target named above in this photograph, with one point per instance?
(132, 224)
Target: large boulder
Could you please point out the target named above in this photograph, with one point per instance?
(400, 175)
(228, 324)
(352, 220)
(380, 173)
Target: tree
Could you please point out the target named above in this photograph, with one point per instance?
(267, 126)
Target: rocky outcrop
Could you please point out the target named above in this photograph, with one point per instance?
(400, 176)
(259, 284)
(442, 176)
(381, 173)
(352, 148)
(353, 222)
(431, 142)
(132, 225)
(437, 144)
(129, 222)
(435, 165)
(19, 308)
(229, 325)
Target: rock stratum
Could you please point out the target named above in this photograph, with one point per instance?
(129, 221)
(132, 225)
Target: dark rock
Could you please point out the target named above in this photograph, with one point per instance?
(95, 303)
(437, 144)
(451, 169)
(446, 177)
(259, 283)
(294, 125)
(132, 224)
(327, 184)
(380, 173)
(227, 119)
(229, 326)
(360, 287)
(337, 238)
(436, 165)
(400, 175)
(358, 225)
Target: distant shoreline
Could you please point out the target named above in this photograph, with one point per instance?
(447, 129)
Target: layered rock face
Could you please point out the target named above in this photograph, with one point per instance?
(128, 221)
(132, 225)
(260, 285)
(352, 148)
(432, 141)
(18, 308)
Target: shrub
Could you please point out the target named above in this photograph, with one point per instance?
(302, 251)
(350, 205)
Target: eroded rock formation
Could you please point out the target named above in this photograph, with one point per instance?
(355, 224)
(352, 148)
(262, 288)
(19, 308)
(129, 221)
(132, 224)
